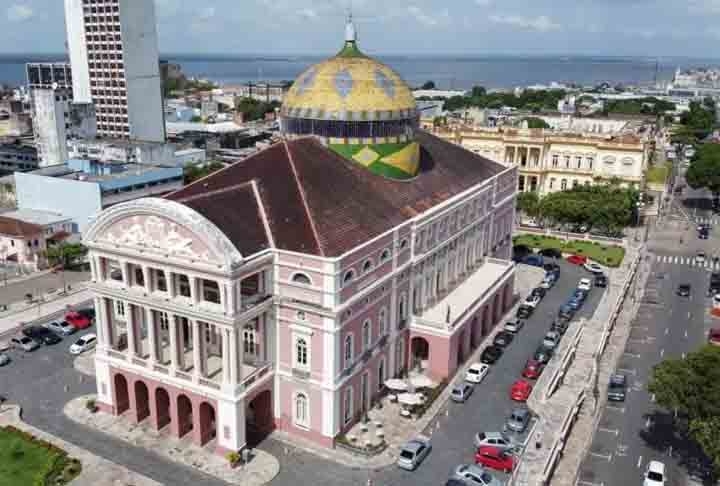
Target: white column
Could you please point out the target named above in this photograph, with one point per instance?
(233, 356)
(131, 330)
(173, 330)
(198, 364)
(101, 322)
(223, 295)
(226, 372)
(152, 336)
(124, 269)
(100, 267)
(146, 277)
(231, 293)
(170, 282)
(193, 281)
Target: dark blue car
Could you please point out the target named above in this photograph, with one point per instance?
(533, 260)
(574, 303)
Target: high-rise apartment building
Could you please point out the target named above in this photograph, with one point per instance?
(113, 50)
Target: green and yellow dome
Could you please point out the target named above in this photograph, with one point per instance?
(360, 108)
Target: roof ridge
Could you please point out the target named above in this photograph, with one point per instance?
(222, 190)
(263, 213)
(303, 197)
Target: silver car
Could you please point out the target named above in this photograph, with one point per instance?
(25, 343)
(551, 340)
(461, 392)
(475, 475)
(518, 420)
(4, 359)
(514, 326)
(494, 439)
(63, 328)
(413, 453)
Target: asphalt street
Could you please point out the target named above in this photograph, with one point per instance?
(44, 283)
(43, 381)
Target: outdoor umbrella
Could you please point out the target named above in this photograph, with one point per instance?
(396, 384)
(411, 399)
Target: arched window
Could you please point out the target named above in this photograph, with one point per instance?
(367, 266)
(348, 405)
(382, 318)
(301, 278)
(563, 184)
(348, 350)
(403, 244)
(301, 352)
(385, 256)
(302, 411)
(349, 275)
(367, 334)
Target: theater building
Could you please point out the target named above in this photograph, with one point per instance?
(282, 291)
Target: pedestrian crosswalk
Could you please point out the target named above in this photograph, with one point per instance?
(690, 261)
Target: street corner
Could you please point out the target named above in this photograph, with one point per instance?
(84, 363)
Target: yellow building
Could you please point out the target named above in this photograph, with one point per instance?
(552, 161)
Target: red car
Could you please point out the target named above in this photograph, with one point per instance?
(494, 458)
(577, 259)
(79, 321)
(714, 336)
(533, 368)
(520, 391)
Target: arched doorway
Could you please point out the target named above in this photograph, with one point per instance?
(259, 418)
(420, 351)
(122, 398)
(162, 407)
(184, 415)
(142, 401)
(208, 429)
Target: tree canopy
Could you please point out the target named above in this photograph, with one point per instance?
(535, 122)
(529, 204)
(65, 254)
(253, 109)
(191, 173)
(700, 119)
(529, 99)
(428, 85)
(704, 170)
(644, 106)
(690, 386)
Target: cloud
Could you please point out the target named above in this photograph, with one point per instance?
(428, 19)
(308, 13)
(19, 13)
(206, 13)
(540, 23)
(483, 3)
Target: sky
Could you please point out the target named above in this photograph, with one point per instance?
(651, 28)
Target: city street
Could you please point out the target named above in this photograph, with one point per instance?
(38, 381)
(39, 285)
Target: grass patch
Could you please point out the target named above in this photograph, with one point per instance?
(609, 255)
(658, 174)
(28, 461)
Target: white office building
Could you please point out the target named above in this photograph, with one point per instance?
(113, 51)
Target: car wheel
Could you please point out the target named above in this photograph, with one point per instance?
(508, 471)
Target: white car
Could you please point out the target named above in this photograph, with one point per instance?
(700, 257)
(585, 284)
(85, 343)
(532, 301)
(655, 474)
(514, 326)
(476, 372)
(593, 267)
(551, 340)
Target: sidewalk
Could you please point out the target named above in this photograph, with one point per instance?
(261, 469)
(96, 471)
(526, 278)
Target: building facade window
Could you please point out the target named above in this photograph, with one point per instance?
(521, 183)
(367, 334)
(385, 256)
(164, 321)
(349, 275)
(301, 353)
(302, 410)
(301, 278)
(381, 374)
(574, 183)
(567, 161)
(347, 405)
(563, 184)
(119, 308)
(579, 162)
(552, 183)
(249, 340)
(555, 160)
(590, 161)
(382, 318)
(367, 266)
(348, 350)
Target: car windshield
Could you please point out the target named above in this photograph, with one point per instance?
(24, 339)
(405, 454)
(655, 476)
(486, 477)
(80, 342)
(473, 371)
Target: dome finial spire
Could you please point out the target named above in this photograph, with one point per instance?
(350, 33)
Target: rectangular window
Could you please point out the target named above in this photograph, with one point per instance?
(590, 162)
(567, 161)
(119, 308)
(347, 406)
(164, 321)
(552, 183)
(579, 162)
(183, 285)
(555, 159)
(211, 291)
(160, 280)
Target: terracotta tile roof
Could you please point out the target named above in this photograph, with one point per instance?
(16, 227)
(319, 203)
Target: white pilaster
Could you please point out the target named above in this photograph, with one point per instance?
(193, 289)
(146, 277)
(226, 366)
(173, 331)
(131, 330)
(198, 365)
(152, 335)
(233, 356)
(170, 282)
(231, 419)
(100, 320)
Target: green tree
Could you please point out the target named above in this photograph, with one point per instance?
(65, 254)
(529, 204)
(191, 173)
(428, 85)
(700, 119)
(535, 122)
(704, 170)
(253, 109)
(690, 386)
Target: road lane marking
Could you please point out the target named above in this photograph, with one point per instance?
(607, 457)
(670, 451)
(667, 331)
(616, 408)
(652, 398)
(648, 421)
(632, 355)
(629, 372)
(609, 431)
(662, 352)
(639, 463)
(588, 483)
(683, 356)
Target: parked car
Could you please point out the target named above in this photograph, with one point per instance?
(518, 420)
(87, 312)
(524, 311)
(491, 354)
(413, 453)
(580, 295)
(566, 312)
(551, 253)
(532, 369)
(85, 343)
(577, 259)
(700, 257)
(503, 339)
(551, 340)
(494, 458)
(601, 280)
(533, 260)
(683, 290)
(520, 390)
(494, 439)
(593, 267)
(476, 372)
(714, 336)
(531, 301)
(475, 475)
(41, 335)
(4, 359)
(617, 388)
(519, 252)
(543, 354)
(585, 284)
(654, 474)
(461, 392)
(455, 482)
(514, 326)
(538, 292)
(574, 303)
(78, 320)
(63, 328)
(548, 282)
(560, 325)
(25, 343)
